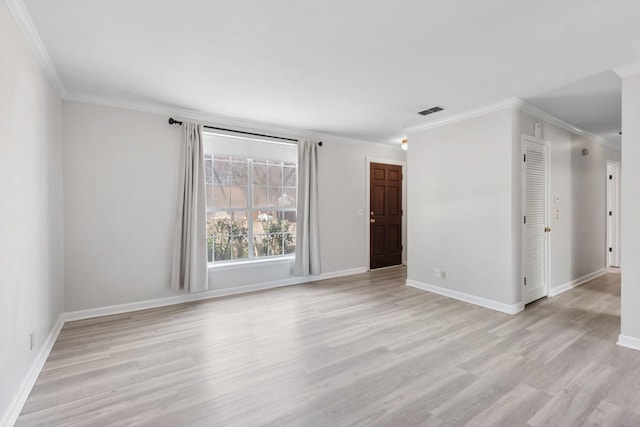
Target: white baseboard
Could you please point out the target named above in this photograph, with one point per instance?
(214, 293)
(629, 342)
(12, 412)
(577, 282)
(472, 299)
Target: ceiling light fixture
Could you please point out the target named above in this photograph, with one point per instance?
(404, 145)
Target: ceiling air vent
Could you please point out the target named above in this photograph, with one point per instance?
(430, 111)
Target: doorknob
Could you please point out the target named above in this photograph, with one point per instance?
(372, 220)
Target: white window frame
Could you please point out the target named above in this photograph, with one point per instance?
(250, 210)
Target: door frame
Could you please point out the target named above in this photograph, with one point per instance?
(367, 246)
(547, 190)
(616, 209)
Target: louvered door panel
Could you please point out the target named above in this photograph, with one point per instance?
(535, 212)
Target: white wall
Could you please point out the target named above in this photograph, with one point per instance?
(630, 209)
(120, 171)
(465, 205)
(578, 234)
(30, 208)
(460, 207)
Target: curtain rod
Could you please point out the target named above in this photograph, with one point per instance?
(173, 121)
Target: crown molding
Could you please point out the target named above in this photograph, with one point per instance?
(23, 19)
(520, 105)
(219, 120)
(478, 112)
(627, 70)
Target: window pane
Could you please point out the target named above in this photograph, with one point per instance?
(290, 243)
(239, 173)
(260, 248)
(221, 172)
(227, 235)
(268, 244)
(238, 197)
(259, 173)
(208, 170)
(259, 197)
(274, 234)
(290, 217)
(221, 197)
(289, 177)
(275, 175)
(287, 198)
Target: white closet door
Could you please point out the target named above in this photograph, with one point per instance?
(535, 234)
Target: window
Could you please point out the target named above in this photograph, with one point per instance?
(251, 201)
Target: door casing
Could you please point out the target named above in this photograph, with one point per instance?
(614, 258)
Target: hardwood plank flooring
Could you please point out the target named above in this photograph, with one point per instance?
(359, 350)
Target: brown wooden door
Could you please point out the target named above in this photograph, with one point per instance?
(385, 215)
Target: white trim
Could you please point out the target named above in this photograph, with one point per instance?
(23, 19)
(617, 238)
(538, 113)
(577, 282)
(478, 112)
(213, 293)
(627, 70)
(519, 105)
(213, 267)
(628, 342)
(20, 397)
(472, 299)
(367, 206)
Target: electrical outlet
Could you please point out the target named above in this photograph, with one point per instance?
(437, 272)
(32, 341)
(443, 275)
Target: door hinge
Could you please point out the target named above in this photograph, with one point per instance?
(524, 157)
(610, 249)
(525, 219)
(610, 176)
(525, 281)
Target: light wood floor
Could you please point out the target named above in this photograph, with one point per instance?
(361, 350)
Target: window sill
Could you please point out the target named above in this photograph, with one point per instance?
(250, 264)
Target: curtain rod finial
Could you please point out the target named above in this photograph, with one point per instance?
(320, 143)
(173, 121)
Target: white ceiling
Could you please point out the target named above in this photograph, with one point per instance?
(354, 68)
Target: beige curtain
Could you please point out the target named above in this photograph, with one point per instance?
(190, 244)
(307, 230)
